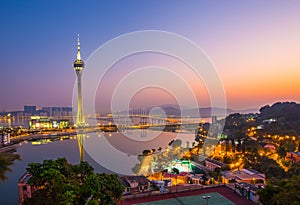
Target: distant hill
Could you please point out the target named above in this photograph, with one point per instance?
(287, 111)
(175, 110)
(281, 118)
(286, 116)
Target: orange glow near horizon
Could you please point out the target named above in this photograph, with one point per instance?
(244, 88)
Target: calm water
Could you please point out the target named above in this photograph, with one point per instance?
(14, 122)
(38, 153)
(115, 152)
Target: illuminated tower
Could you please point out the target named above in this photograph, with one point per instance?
(78, 67)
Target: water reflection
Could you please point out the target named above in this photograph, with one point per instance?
(64, 146)
(14, 122)
(80, 142)
(120, 152)
(153, 161)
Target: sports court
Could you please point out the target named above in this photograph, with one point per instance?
(220, 195)
(215, 199)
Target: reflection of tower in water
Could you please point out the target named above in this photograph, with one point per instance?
(80, 141)
(143, 121)
(9, 121)
(143, 133)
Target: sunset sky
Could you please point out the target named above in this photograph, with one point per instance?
(254, 45)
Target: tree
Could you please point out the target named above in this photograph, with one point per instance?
(146, 152)
(111, 189)
(6, 160)
(252, 146)
(289, 147)
(275, 171)
(176, 143)
(175, 170)
(216, 174)
(58, 182)
(227, 159)
(288, 192)
(266, 194)
(294, 170)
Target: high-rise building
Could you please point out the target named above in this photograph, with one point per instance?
(29, 110)
(78, 67)
(46, 110)
(66, 111)
(55, 111)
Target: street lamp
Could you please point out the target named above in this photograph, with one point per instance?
(206, 197)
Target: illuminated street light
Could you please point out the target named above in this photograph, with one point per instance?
(207, 198)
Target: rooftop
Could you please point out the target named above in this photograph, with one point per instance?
(244, 174)
(295, 153)
(222, 164)
(25, 178)
(141, 180)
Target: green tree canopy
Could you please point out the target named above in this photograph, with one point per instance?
(59, 182)
(288, 192)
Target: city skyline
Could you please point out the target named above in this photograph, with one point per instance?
(253, 45)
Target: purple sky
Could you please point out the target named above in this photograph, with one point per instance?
(255, 46)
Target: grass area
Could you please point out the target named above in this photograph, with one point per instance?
(216, 199)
